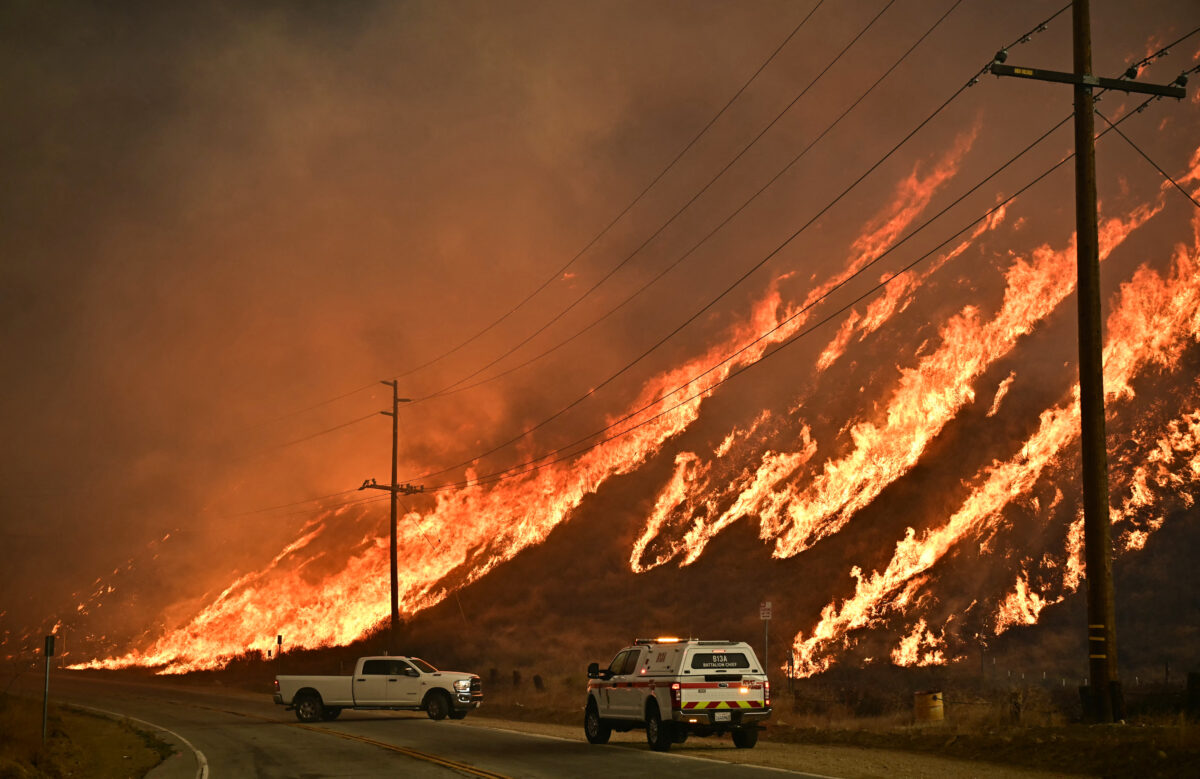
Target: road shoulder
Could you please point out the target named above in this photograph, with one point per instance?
(843, 762)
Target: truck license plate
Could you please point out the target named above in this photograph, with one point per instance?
(721, 716)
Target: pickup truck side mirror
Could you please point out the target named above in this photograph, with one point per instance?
(596, 672)
(411, 672)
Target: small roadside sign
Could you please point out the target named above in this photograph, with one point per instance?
(764, 610)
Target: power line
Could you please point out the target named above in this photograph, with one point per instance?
(745, 347)
(641, 195)
(1038, 28)
(557, 274)
(745, 275)
(535, 464)
(670, 165)
(1132, 71)
(325, 431)
(450, 389)
(319, 404)
(662, 273)
(269, 509)
(674, 216)
(1146, 157)
(274, 447)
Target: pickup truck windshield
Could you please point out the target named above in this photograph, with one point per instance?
(424, 666)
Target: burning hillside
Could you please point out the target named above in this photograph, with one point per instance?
(802, 483)
(842, 381)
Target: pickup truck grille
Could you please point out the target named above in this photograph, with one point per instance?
(476, 688)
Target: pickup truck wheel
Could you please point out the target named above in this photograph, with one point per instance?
(745, 738)
(330, 713)
(597, 730)
(658, 733)
(308, 707)
(437, 705)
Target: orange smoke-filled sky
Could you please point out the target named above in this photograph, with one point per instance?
(224, 224)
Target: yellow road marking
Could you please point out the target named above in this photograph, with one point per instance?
(469, 769)
(465, 768)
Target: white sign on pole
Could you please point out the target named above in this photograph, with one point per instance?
(764, 610)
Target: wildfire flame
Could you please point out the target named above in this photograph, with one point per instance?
(920, 647)
(1154, 320)
(797, 499)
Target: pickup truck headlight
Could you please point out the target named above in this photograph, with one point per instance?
(462, 685)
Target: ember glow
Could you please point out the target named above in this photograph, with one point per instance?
(863, 377)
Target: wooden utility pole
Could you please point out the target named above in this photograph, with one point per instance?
(1097, 537)
(395, 489)
(1103, 696)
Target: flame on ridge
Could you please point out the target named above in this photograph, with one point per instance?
(1173, 464)
(1154, 320)
(341, 607)
(677, 525)
(797, 515)
(521, 511)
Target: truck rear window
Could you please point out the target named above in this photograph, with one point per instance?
(713, 661)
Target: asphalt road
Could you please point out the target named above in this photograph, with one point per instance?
(228, 733)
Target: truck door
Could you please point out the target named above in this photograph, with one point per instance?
(404, 684)
(371, 683)
(609, 692)
(626, 696)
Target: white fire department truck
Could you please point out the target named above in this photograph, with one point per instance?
(674, 687)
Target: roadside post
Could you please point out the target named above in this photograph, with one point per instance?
(49, 652)
(764, 613)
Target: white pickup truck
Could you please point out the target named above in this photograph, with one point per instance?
(389, 682)
(676, 687)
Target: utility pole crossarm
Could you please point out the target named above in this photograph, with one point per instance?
(400, 489)
(1039, 74)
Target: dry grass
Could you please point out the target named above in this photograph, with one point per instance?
(78, 743)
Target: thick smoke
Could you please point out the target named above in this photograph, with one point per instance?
(222, 216)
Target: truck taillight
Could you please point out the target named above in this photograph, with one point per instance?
(276, 685)
(767, 693)
(676, 696)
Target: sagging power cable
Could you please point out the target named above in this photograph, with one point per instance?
(605, 230)
(674, 264)
(743, 277)
(537, 464)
